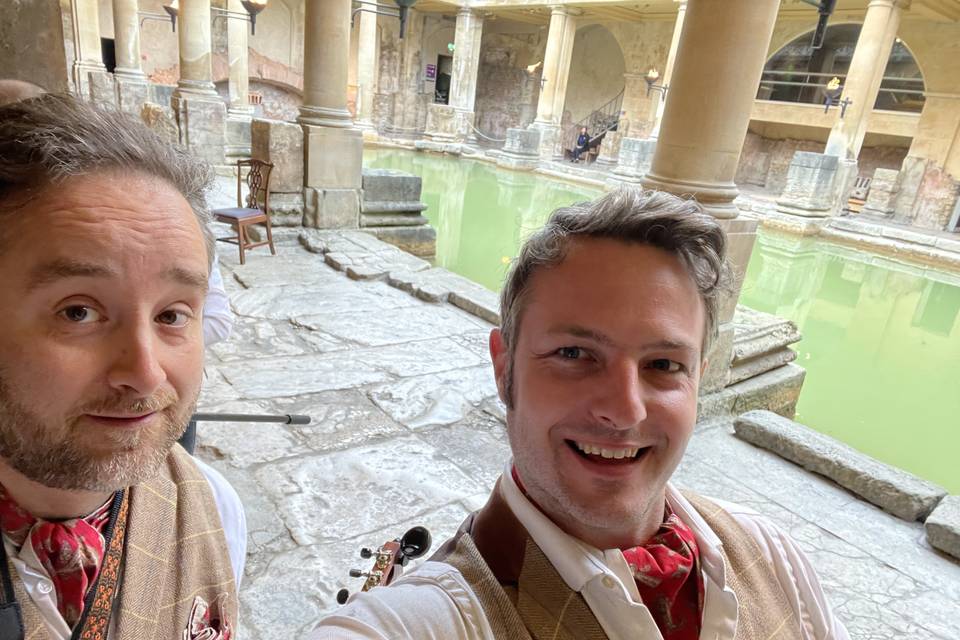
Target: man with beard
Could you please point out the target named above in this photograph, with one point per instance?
(606, 317)
(110, 529)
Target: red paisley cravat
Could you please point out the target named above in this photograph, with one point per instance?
(667, 571)
(71, 551)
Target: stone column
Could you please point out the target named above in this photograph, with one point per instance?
(720, 57)
(667, 76)
(452, 124)
(332, 148)
(863, 79)
(89, 58)
(239, 113)
(201, 113)
(132, 87)
(366, 70)
(556, 70)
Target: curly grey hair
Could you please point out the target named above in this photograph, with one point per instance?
(631, 215)
(49, 138)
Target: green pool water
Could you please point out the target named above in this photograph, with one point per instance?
(881, 340)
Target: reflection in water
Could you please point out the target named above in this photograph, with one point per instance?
(881, 345)
(881, 340)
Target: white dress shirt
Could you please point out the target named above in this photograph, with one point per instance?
(39, 586)
(217, 317)
(435, 601)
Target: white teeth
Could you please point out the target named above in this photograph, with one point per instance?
(614, 454)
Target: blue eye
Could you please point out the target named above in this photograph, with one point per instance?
(79, 314)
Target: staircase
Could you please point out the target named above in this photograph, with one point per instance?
(598, 123)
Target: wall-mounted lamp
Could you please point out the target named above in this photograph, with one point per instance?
(401, 11)
(172, 9)
(651, 77)
(831, 95)
(451, 47)
(253, 7)
(532, 71)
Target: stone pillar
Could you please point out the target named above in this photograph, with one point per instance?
(366, 70)
(201, 114)
(333, 149)
(719, 61)
(89, 58)
(667, 75)
(556, 70)
(451, 124)
(863, 79)
(132, 87)
(239, 113)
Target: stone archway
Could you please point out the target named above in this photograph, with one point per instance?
(597, 68)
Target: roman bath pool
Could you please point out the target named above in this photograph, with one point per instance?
(881, 339)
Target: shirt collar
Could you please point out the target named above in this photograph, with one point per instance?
(578, 562)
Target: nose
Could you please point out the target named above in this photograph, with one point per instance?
(136, 367)
(621, 400)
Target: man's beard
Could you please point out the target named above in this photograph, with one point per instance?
(62, 456)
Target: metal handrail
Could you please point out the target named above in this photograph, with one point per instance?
(600, 121)
(189, 438)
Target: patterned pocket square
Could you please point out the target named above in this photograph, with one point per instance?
(206, 621)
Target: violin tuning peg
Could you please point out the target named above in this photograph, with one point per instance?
(366, 552)
(342, 596)
(356, 573)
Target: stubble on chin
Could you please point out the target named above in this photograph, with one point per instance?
(61, 456)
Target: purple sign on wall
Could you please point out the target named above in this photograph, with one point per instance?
(431, 72)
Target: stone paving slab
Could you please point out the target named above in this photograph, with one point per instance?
(412, 433)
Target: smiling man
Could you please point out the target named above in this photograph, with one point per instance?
(109, 528)
(607, 315)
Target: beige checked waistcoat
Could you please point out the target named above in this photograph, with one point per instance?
(175, 550)
(524, 598)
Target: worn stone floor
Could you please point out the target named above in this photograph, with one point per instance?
(407, 430)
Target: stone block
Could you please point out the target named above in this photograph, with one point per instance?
(331, 208)
(203, 127)
(282, 144)
(810, 185)
(776, 391)
(935, 199)
(333, 157)
(746, 369)
(609, 154)
(894, 490)
(549, 140)
(102, 89)
(420, 240)
(522, 142)
(389, 190)
(741, 235)
(161, 120)
(238, 138)
(943, 526)
(448, 124)
(911, 177)
(161, 93)
(635, 157)
(884, 186)
(286, 209)
(132, 95)
(759, 334)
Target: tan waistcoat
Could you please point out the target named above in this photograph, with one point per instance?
(175, 550)
(524, 597)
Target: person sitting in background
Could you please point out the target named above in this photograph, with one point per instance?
(110, 528)
(583, 140)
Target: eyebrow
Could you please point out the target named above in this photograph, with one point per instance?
(60, 269)
(602, 338)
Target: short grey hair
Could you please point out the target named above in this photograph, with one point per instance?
(631, 215)
(50, 138)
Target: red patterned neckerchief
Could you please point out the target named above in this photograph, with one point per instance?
(667, 572)
(71, 551)
(662, 568)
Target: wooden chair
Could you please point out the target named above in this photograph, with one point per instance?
(256, 209)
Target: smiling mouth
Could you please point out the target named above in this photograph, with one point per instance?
(606, 455)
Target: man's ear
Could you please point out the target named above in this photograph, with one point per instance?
(500, 358)
(703, 367)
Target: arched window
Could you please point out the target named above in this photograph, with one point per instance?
(799, 73)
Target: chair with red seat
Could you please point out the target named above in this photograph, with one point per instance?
(256, 209)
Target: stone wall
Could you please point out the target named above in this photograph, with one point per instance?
(506, 94)
(764, 162)
(596, 71)
(32, 45)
